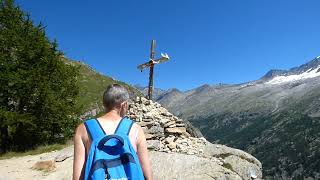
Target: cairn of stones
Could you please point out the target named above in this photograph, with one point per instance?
(164, 131)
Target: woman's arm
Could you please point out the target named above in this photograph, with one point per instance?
(143, 155)
(79, 156)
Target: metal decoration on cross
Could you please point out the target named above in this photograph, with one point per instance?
(150, 64)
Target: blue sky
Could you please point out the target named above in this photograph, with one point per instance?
(209, 41)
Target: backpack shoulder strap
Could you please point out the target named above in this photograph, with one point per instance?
(94, 129)
(124, 126)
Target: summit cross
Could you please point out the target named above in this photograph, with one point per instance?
(150, 64)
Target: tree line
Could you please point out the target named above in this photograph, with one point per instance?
(38, 91)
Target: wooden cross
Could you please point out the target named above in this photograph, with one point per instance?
(150, 64)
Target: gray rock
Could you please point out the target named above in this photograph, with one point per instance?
(144, 109)
(188, 167)
(149, 136)
(241, 162)
(244, 168)
(164, 121)
(137, 100)
(155, 130)
(154, 144)
(147, 120)
(169, 139)
(177, 130)
(143, 124)
(180, 125)
(169, 123)
(172, 145)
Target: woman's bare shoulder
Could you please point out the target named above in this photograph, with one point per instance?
(81, 129)
(81, 132)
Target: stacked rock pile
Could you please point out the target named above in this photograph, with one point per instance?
(164, 131)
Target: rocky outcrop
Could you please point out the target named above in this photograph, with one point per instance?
(168, 133)
(240, 162)
(188, 167)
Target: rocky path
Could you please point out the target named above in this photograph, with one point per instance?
(165, 166)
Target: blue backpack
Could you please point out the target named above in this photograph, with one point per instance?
(111, 156)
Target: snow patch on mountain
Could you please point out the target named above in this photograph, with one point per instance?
(310, 73)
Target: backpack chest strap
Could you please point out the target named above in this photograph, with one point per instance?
(124, 126)
(94, 129)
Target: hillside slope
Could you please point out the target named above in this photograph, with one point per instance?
(92, 85)
(276, 118)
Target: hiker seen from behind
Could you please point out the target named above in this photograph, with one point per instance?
(112, 146)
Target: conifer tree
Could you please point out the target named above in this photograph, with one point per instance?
(38, 88)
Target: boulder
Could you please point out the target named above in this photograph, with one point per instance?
(188, 167)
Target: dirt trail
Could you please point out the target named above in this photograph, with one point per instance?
(165, 166)
(19, 168)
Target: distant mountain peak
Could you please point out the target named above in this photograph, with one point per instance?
(174, 90)
(274, 72)
(304, 69)
(313, 64)
(205, 86)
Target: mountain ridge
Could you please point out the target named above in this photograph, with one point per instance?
(260, 117)
(295, 70)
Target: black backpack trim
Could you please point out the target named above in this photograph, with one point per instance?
(88, 130)
(109, 163)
